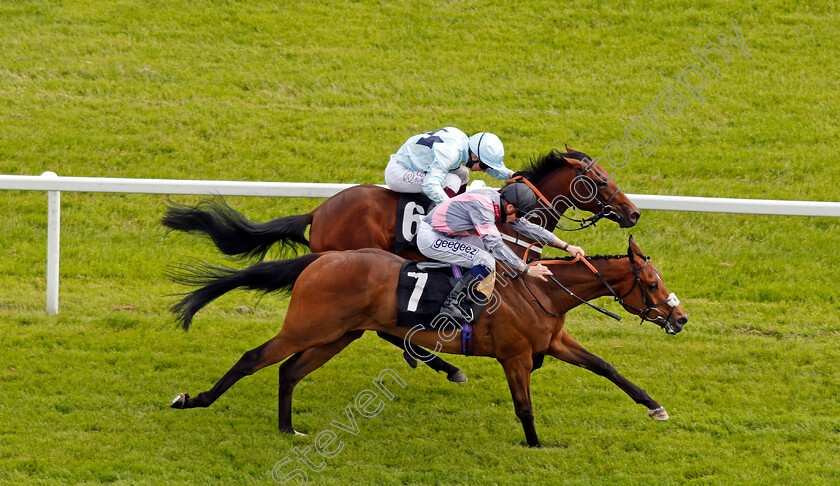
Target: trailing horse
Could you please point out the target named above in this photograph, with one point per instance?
(323, 318)
(364, 216)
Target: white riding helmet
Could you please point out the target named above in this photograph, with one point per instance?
(489, 150)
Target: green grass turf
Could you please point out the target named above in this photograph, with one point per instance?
(316, 93)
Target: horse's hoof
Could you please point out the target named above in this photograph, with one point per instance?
(180, 401)
(409, 360)
(457, 377)
(291, 431)
(658, 413)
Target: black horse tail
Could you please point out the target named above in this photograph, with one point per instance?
(274, 276)
(233, 233)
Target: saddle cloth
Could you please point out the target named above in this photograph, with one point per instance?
(411, 208)
(421, 292)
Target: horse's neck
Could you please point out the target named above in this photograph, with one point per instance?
(557, 188)
(617, 272)
(579, 279)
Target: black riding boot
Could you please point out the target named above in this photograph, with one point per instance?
(459, 305)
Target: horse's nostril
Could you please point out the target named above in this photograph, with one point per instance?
(682, 320)
(634, 216)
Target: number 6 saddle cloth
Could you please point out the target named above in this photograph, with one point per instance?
(411, 208)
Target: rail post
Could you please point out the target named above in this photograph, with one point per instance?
(53, 247)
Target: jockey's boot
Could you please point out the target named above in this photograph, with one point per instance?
(459, 304)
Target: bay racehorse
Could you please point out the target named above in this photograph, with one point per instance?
(323, 318)
(364, 216)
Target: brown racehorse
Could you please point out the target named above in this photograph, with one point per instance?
(323, 318)
(365, 217)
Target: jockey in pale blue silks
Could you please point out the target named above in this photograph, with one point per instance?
(436, 163)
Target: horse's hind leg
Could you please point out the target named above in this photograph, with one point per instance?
(297, 367)
(565, 348)
(453, 374)
(272, 351)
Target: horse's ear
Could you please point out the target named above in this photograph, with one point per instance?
(568, 149)
(577, 164)
(633, 250)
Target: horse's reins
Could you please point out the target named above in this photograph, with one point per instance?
(533, 188)
(672, 299)
(606, 210)
(566, 289)
(606, 207)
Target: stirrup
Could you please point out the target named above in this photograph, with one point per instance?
(454, 310)
(458, 304)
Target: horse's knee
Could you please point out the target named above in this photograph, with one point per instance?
(248, 362)
(525, 414)
(597, 366)
(287, 381)
(606, 368)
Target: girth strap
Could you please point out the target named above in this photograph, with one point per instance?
(466, 329)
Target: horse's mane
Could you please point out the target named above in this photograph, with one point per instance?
(540, 167)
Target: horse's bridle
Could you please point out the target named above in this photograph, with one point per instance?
(605, 206)
(672, 300)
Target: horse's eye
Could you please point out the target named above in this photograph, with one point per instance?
(653, 286)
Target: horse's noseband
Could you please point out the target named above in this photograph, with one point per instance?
(672, 301)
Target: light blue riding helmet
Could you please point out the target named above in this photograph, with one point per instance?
(489, 149)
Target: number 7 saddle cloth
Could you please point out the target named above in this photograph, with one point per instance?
(421, 291)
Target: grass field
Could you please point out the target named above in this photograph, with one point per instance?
(308, 92)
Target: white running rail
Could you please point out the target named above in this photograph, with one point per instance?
(53, 184)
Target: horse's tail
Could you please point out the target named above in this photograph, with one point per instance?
(266, 277)
(233, 233)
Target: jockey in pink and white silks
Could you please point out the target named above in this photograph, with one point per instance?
(462, 231)
(436, 163)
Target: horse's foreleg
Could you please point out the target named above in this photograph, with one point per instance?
(272, 351)
(518, 373)
(298, 366)
(453, 374)
(565, 348)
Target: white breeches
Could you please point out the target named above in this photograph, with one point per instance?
(401, 179)
(466, 251)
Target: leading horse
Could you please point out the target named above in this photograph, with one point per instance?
(323, 318)
(364, 216)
